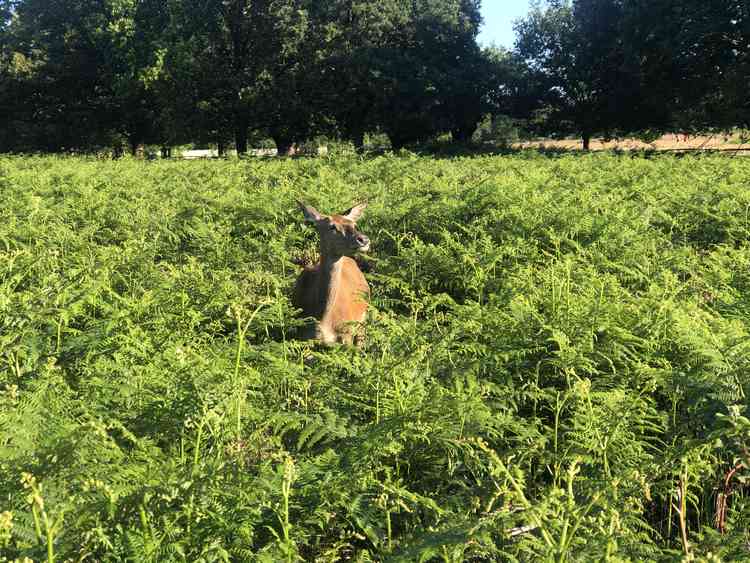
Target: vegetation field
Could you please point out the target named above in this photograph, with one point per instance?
(556, 366)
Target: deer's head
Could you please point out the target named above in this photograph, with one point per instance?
(338, 233)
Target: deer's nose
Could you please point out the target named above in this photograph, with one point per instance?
(362, 240)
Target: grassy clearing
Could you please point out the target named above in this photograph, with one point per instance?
(556, 365)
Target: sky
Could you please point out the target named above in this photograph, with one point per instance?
(498, 20)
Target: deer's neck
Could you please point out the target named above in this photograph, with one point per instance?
(330, 261)
(330, 277)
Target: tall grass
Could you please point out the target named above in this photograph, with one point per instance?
(556, 365)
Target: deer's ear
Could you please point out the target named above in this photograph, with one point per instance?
(311, 214)
(355, 212)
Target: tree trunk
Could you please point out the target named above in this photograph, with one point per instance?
(166, 152)
(285, 147)
(240, 137)
(358, 139)
(221, 148)
(586, 141)
(464, 133)
(397, 141)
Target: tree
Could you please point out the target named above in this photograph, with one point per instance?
(199, 81)
(574, 52)
(79, 72)
(85, 73)
(239, 65)
(618, 67)
(136, 59)
(431, 75)
(355, 34)
(696, 60)
(410, 68)
(514, 89)
(15, 71)
(463, 72)
(56, 55)
(284, 101)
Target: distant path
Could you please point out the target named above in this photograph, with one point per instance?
(673, 142)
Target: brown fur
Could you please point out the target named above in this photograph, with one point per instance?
(334, 291)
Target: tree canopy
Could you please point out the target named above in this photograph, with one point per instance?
(82, 74)
(616, 67)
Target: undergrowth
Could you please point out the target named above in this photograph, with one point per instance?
(556, 364)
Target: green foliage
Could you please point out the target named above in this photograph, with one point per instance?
(617, 67)
(80, 74)
(584, 71)
(497, 130)
(555, 365)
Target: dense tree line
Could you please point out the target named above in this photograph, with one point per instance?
(618, 67)
(80, 74)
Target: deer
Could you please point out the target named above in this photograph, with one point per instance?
(334, 291)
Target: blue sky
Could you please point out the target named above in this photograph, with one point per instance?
(498, 20)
